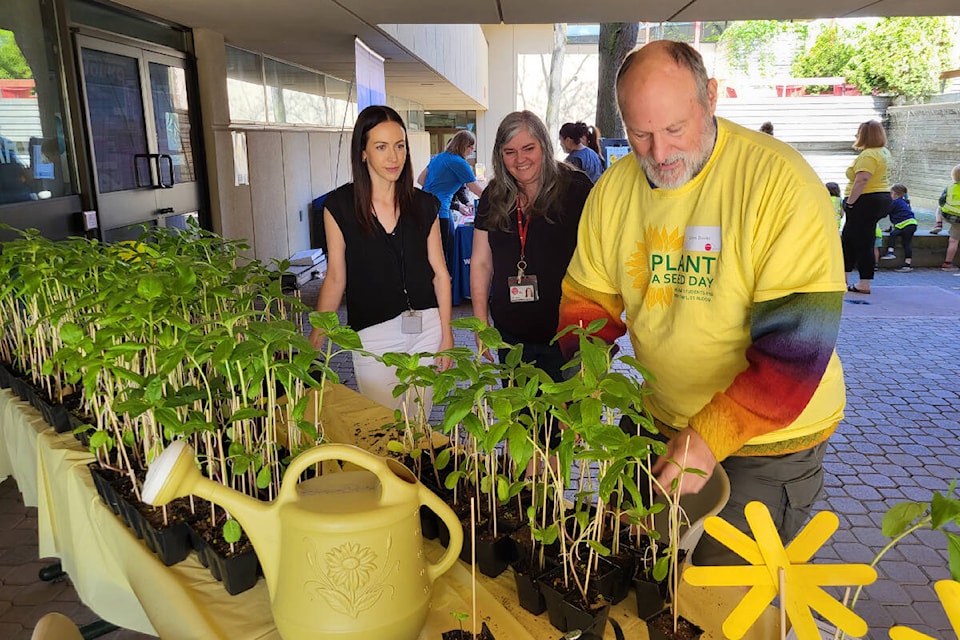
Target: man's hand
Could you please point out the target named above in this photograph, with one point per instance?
(686, 449)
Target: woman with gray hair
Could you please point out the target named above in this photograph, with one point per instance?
(525, 234)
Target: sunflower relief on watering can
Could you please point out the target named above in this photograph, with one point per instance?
(342, 553)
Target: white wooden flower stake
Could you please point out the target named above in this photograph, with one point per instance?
(775, 570)
(949, 592)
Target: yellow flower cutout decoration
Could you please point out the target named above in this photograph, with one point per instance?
(802, 582)
(949, 592)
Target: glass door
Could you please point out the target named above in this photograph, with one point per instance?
(139, 123)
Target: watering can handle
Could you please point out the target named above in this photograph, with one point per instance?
(329, 451)
(442, 509)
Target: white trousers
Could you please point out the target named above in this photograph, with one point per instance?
(376, 380)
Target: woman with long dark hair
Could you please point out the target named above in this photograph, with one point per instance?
(525, 234)
(383, 249)
(572, 137)
(867, 201)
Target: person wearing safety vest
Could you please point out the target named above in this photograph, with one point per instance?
(950, 210)
(903, 224)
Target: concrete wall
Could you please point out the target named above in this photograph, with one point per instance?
(925, 144)
(287, 166)
(458, 52)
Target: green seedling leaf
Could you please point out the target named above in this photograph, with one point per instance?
(953, 552)
(661, 567)
(943, 510)
(598, 547)
(452, 478)
(442, 460)
(231, 531)
(900, 516)
(395, 446)
(263, 477)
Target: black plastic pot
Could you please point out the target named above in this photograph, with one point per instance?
(238, 573)
(493, 556)
(614, 577)
(429, 528)
(660, 627)
(171, 544)
(104, 489)
(528, 593)
(553, 598)
(650, 597)
(458, 634)
(4, 376)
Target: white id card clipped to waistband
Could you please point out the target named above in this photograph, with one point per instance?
(411, 322)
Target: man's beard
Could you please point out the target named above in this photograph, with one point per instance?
(693, 163)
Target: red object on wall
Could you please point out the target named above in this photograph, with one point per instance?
(16, 88)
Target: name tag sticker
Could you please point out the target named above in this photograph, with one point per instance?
(703, 239)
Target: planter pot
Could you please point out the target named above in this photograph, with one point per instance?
(650, 597)
(458, 634)
(591, 619)
(20, 387)
(429, 527)
(4, 376)
(551, 586)
(528, 593)
(493, 555)
(567, 610)
(237, 572)
(527, 576)
(615, 577)
(104, 489)
(660, 627)
(57, 415)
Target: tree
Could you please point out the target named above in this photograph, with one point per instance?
(752, 45)
(12, 63)
(617, 39)
(828, 57)
(902, 56)
(554, 77)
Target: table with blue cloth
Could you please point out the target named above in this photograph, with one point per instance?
(460, 263)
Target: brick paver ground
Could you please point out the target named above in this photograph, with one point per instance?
(899, 441)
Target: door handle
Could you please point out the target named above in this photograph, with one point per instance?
(164, 211)
(160, 158)
(136, 169)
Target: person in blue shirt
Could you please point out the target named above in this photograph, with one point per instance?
(572, 135)
(903, 224)
(447, 172)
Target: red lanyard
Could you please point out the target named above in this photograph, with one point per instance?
(522, 228)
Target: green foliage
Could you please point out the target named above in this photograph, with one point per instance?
(828, 56)
(748, 44)
(12, 63)
(901, 56)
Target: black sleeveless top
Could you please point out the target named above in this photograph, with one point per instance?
(374, 274)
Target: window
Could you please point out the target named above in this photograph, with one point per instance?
(35, 161)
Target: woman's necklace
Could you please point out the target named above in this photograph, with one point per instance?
(395, 221)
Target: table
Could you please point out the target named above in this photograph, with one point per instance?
(460, 264)
(124, 583)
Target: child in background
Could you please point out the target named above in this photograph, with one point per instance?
(903, 225)
(834, 190)
(877, 244)
(950, 211)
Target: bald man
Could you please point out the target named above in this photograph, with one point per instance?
(720, 245)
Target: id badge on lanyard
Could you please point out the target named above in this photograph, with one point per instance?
(523, 287)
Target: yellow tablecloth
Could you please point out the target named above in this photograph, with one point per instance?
(124, 583)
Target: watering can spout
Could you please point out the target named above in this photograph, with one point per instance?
(174, 474)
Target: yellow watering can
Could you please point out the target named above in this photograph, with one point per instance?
(342, 553)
